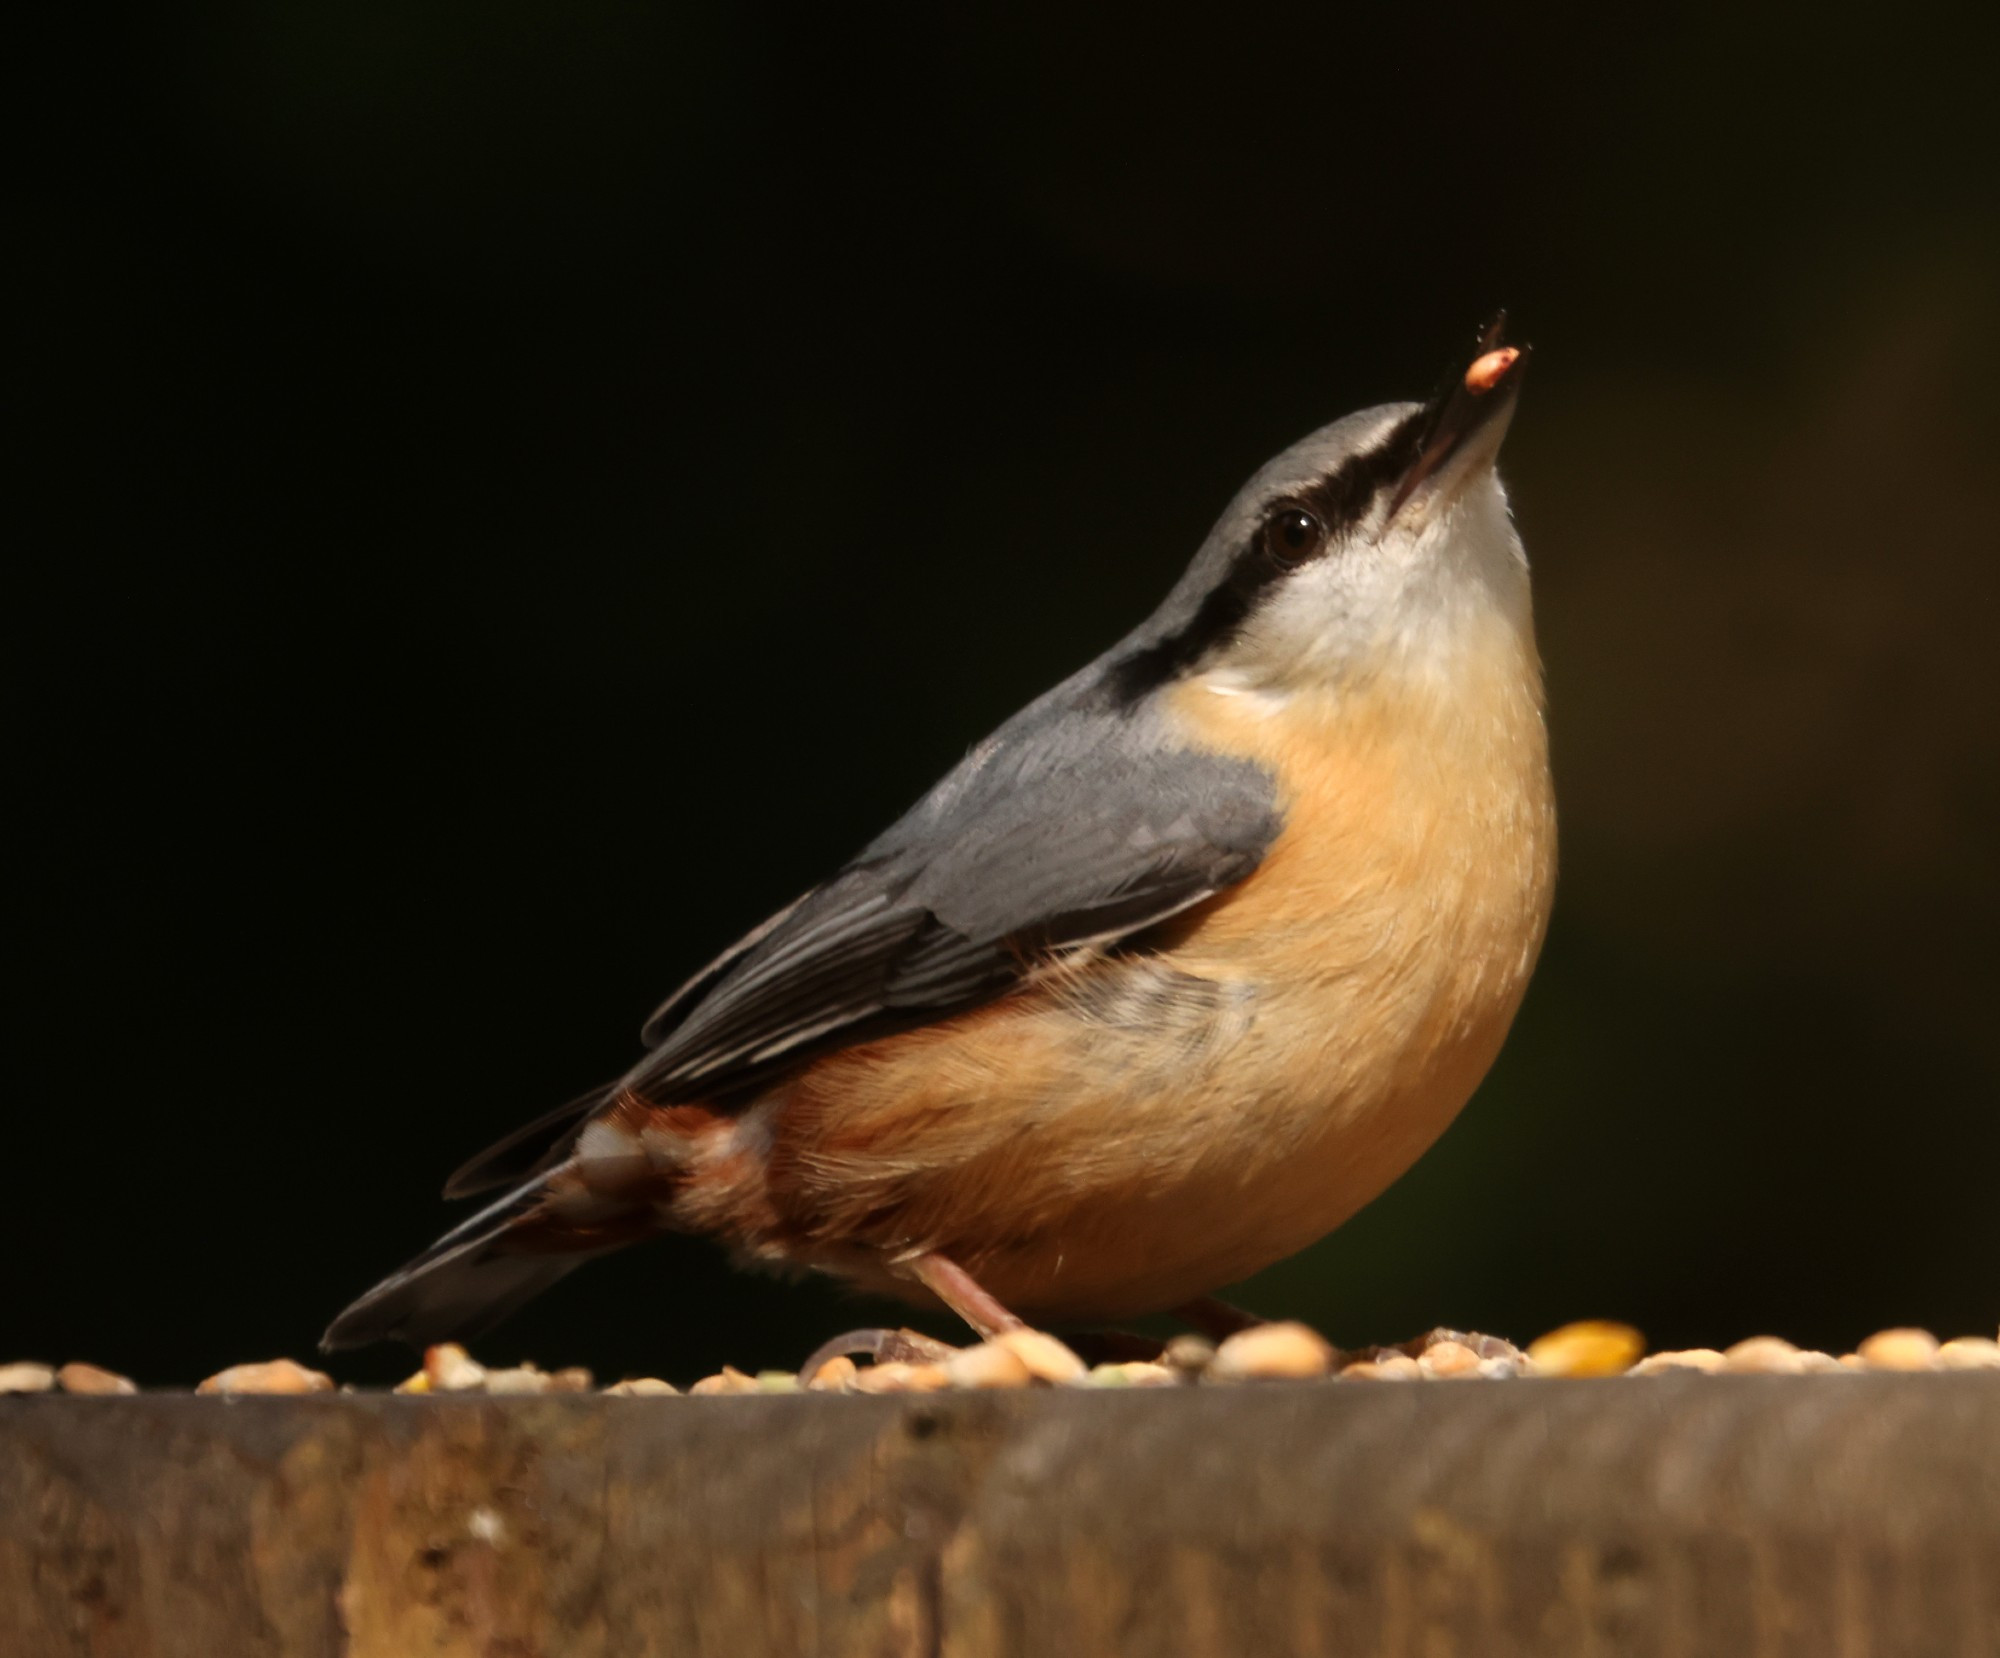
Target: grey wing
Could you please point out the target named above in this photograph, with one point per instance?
(1027, 851)
(1030, 848)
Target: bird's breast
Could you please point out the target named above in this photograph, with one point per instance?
(1390, 931)
(1399, 912)
(1133, 1129)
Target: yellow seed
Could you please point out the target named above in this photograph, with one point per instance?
(1047, 1359)
(1764, 1355)
(452, 1369)
(519, 1380)
(1969, 1353)
(276, 1376)
(1899, 1350)
(1699, 1359)
(1488, 371)
(1271, 1352)
(1448, 1358)
(898, 1377)
(726, 1380)
(834, 1376)
(642, 1387)
(1594, 1347)
(989, 1365)
(78, 1377)
(1390, 1367)
(1134, 1373)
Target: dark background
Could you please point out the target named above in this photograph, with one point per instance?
(515, 492)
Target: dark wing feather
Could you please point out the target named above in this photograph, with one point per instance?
(670, 1012)
(1027, 851)
(1071, 826)
(528, 1149)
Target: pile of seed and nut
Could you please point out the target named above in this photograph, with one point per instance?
(1028, 1358)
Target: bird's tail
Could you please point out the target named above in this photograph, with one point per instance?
(482, 1270)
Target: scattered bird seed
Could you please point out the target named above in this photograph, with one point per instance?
(272, 1376)
(1189, 1354)
(520, 1379)
(1969, 1353)
(1390, 1367)
(1134, 1373)
(452, 1370)
(1272, 1352)
(835, 1376)
(1047, 1359)
(1899, 1350)
(989, 1365)
(1705, 1360)
(1023, 1358)
(1593, 1347)
(1764, 1355)
(898, 1376)
(1446, 1359)
(78, 1377)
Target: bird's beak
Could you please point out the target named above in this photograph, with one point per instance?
(1467, 416)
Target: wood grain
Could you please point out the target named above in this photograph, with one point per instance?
(1849, 1516)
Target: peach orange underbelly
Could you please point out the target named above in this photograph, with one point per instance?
(1124, 1133)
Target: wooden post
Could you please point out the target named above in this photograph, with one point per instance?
(1823, 1516)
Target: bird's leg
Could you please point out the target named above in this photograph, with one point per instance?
(960, 1291)
(1214, 1318)
(952, 1285)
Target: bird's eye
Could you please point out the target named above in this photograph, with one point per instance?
(1292, 535)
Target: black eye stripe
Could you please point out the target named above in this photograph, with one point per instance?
(1342, 499)
(1338, 501)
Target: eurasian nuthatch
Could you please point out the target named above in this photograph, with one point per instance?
(1172, 974)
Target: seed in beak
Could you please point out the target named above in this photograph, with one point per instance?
(1488, 371)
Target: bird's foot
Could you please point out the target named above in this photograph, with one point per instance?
(952, 1285)
(880, 1347)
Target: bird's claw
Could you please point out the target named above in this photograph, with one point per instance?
(881, 1347)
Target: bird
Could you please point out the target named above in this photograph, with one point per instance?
(1173, 973)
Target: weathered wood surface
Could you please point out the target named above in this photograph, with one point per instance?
(1827, 1517)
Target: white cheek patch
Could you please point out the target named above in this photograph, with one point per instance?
(1310, 626)
(1411, 597)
